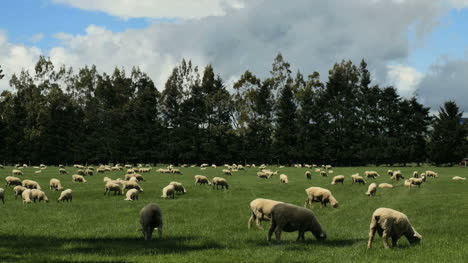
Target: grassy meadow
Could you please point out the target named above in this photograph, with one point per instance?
(207, 225)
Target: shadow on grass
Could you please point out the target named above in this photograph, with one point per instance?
(310, 241)
(40, 247)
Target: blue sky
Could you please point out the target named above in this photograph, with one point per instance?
(236, 35)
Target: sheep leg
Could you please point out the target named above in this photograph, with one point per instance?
(300, 236)
(394, 241)
(251, 220)
(371, 237)
(278, 233)
(271, 230)
(385, 238)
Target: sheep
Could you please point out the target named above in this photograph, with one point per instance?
(338, 179)
(132, 195)
(151, 218)
(322, 195)
(415, 174)
(30, 184)
(178, 187)
(417, 181)
(372, 189)
(100, 170)
(131, 185)
(408, 183)
(323, 173)
(176, 171)
(106, 179)
(289, 218)
(283, 178)
(394, 224)
(27, 196)
(39, 195)
(138, 177)
(227, 172)
(11, 180)
(65, 196)
(458, 178)
(128, 166)
(432, 174)
(89, 171)
(111, 186)
(219, 181)
(317, 170)
(2, 195)
(55, 184)
(63, 171)
(385, 185)
(16, 172)
(168, 191)
(18, 190)
(38, 172)
(200, 179)
(80, 172)
(78, 178)
(330, 171)
(390, 173)
(262, 175)
(308, 175)
(328, 167)
(357, 179)
(371, 174)
(261, 211)
(397, 176)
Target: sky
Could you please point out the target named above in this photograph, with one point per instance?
(418, 46)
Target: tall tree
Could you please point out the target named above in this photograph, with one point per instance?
(448, 144)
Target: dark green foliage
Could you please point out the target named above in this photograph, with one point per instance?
(57, 116)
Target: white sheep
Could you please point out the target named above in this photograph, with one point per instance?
(27, 196)
(415, 174)
(289, 218)
(458, 178)
(30, 184)
(408, 183)
(390, 173)
(55, 184)
(227, 172)
(168, 191)
(308, 175)
(371, 174)
(39, 195)
(111, 186)
(261, 211)
(132, 195)
(11, 180)
(219, 181)
(323, 173)
(178, 187)
(397, 175)
(338, 179)
(78, 178)
(372, 189)
(63, 171)
(417, 181)
(432, 174)
(322, 195)
(65, 196)
(385, 185)
(131, 185)
(283, 178)
(200, 179)
(16, 172)
(18, 190)
(356, 178)
(394, 224)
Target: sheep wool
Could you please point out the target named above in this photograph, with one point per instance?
(151, 218)
(261, 211)
(321, 195)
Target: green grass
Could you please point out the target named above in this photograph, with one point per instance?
(206, 225)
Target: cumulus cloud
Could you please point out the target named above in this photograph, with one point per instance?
(36, 38)
(446, 80)
(157, 8)
(406, 79)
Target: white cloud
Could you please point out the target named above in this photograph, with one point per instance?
(157, 8)
(404, 78)
(36, 38)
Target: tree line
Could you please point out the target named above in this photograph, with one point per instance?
(56, 115)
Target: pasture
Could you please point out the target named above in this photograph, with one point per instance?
(207, 225)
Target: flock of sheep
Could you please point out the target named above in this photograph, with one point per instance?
(386, 222)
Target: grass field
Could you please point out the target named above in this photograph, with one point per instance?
(207, 225)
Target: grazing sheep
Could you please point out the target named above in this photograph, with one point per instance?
(131, 185)
(63, 171)
(458, 178)
(432, 174)
(390, 173)
(39, 195)
(391, 223)
(11, 180)
(200, 179)
(408, 183)
(308, 175)
(227, 172)
(417, 181)
(65, 196)
(176, 171)
(385, 185)
(18, 190)
(38, 172)
(78, 178)
(2, 195)
(371, 174)
(289, 218)
(323, 173)
(261, 211)
(357, 179)
(330, 171)
(338, 179)
(106, 179)
(415, 174)
(322, 195)
(111, 186)
(132, 195)
(317, 170)
(16, 172)
(328, 167)
(262, 175)
(283, 178)
(139, 177)
(27, 196)
(55, 184)
(100, 170)
(89, 171)
(178, 187)
(168, 191)
(30, 184)
(219, 181)
(81, 172)
(372, 189)
(397, 176)
(151, 218)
